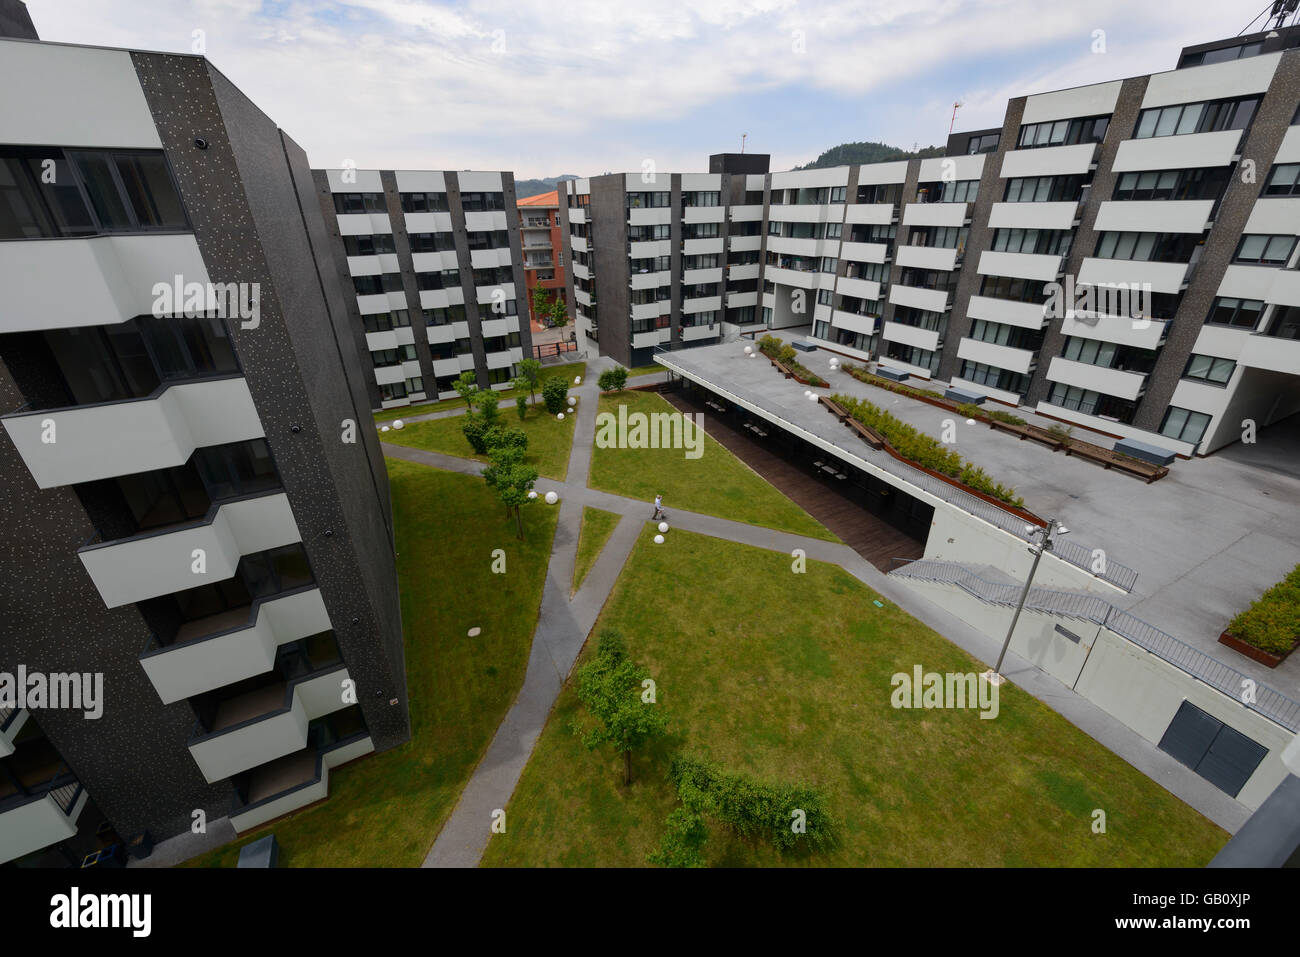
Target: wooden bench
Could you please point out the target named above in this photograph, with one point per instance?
(1039, 434)
(1010, 428)
(1112, 459)
(868, 435)
(834, 408)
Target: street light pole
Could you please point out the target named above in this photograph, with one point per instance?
(1038, 548)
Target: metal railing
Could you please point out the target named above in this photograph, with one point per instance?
(1269, 702)
(66, 796)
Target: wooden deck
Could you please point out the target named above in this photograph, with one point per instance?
(869, 535)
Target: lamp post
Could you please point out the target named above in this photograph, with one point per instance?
(1036, 549)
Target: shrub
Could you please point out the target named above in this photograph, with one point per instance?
(1005, 417)
(521, 406)
(555, 391)
(1272, 622)
(769, 345)
(971, 410)
(498, 436)
(681, 846)
(474, 430)
(1062, 432)
(487, 402)
(612, 380)
(787, 356)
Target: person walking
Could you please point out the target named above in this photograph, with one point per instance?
(659, 508)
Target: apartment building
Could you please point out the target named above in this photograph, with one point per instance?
(663, 260)
(436, 272)
(1171, 199)
(196, 515)
(542, 242)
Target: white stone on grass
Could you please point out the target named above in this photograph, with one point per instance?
(659, 539)
(551, 498)
(399, 424)
(663, 526)
(475, 631)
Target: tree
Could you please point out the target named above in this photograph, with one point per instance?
(559, 311)
(541, 303)
(500, 436)
(512, 480)
(487, 403)
(521, 405)
(612, 380)
(682, 845)
(466, 386)
(611, 686)
(530, 373)
(473, 428)
(555, 393)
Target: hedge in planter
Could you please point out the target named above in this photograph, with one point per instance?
(1272, 622)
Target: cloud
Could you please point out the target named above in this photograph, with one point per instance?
(588, 84)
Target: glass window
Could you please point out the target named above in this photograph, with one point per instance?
(1184, 425)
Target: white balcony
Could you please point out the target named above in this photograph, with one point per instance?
(121, 438)
(490, 258)
(746, 271)
(1268, 352)
(487, 221)
(746, 214)
(1162, 277)
(446, 367)
(1027, 315)
(577, 215)
(1049, 161)
(1123, 330)
(1154, 216)
(646, 340)
(651, 248)
(869, 214)
(388, 375)
(11, 722)
(738, 300)
(1275, 215)
(657, 216)
(702, 304)
(438, 335)
(701, 247)
(113, 278)
(991, 354)
(926, 339)
(389, 339)
(864, 252)
(580, 271)
(582, 296)
(381, 302)
(579, 244)
(500, 360)
(153, 564)
(1189, 151)
(29, 825)
(650, 280)
(704, 214)
(373, 265)
(931, 300)
(485, 294)
(436, 298)
(212, 653)
(745, 244)
(306, 780)
(696, 333)
(426, 222)
(935, 214)
(926, 257)
(693, 276)
(500, 326)
(650, 310)
(867, 289)
(1020, 265)
(1123, 385)
(370, 224)
(851, 321)
(1033, 215)
(806, 213)
(276, 726)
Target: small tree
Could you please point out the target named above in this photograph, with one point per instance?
(510, 478)
(610, 685)
(555, 393)
(521, 406)
(500, 436)
(559, 311)
(612, 380)
(530, 373)
(466, 385)
(541, 303)
(487, 403)
(682, 845)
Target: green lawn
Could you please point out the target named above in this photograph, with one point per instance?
(716, 483)
(645, 370)
(570, 370)
(597, 526)
(549, 439)
(787, 677)
(385, 810)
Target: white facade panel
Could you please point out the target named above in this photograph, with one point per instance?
(1049, 161)
(1033, 215)
(991, 354)
(881, 174)
(1215, 81)
(934, 214)
(926, 257)
(1163, 277)
(1124, 385)
(1019, 265)
(1154, 216)
(1098, 99)
(356, 181)
(951, 168)
(420, 181)
(910, 336)
(1188, 151)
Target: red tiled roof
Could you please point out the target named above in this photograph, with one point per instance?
(545, 199)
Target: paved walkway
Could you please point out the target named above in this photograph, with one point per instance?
(564, 623)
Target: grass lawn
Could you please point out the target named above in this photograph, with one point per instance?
(406, 411)
(597, 526)
(716, 483)
(549, 439)
(645, 370)
(787, 677)
(385, 810)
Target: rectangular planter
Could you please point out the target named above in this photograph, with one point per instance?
(1266, 658)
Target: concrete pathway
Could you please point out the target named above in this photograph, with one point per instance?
(564, 623)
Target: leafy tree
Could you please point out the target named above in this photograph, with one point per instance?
(682, 845)
(500, 436)
(466, 386)
(511, 479)
(530, 374)
(559, 311)
(610, 685)
(541, 303)
(474, 429)
(521, 406)
(487, 402)
(555, 393)
(612, 380)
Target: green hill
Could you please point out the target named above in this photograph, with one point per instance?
(857, 154)
(535, 187)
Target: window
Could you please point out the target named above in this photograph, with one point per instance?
(650, 199)
(824, 297)
(709, 198)
(986, 143)
(1221, 55)
(482, 202)
(493, 276)
(1015, 289)
(432, 242)
(142, 189)
(993, 377)
(1243, 313)
(699, 230)
(940, 237)
(1209, 369)
(880, 193)
(1074, 398)
(415, 384)
(1092, 351)
(956, 191)
(1052, 242)
(1063, 132)
(645, 234)
(375, 285)
(345, 203)
(1044, 189)
(1172, 184)
(389, 391)
(384, 321)
(838, 193)
(1264, 250)
(1284, 180)
(494, 239)
(1284, 323)
(1002, 334)
(369, 245)
(1184, 425)
(872, 272)
(1147, 247)
(1197, 118)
